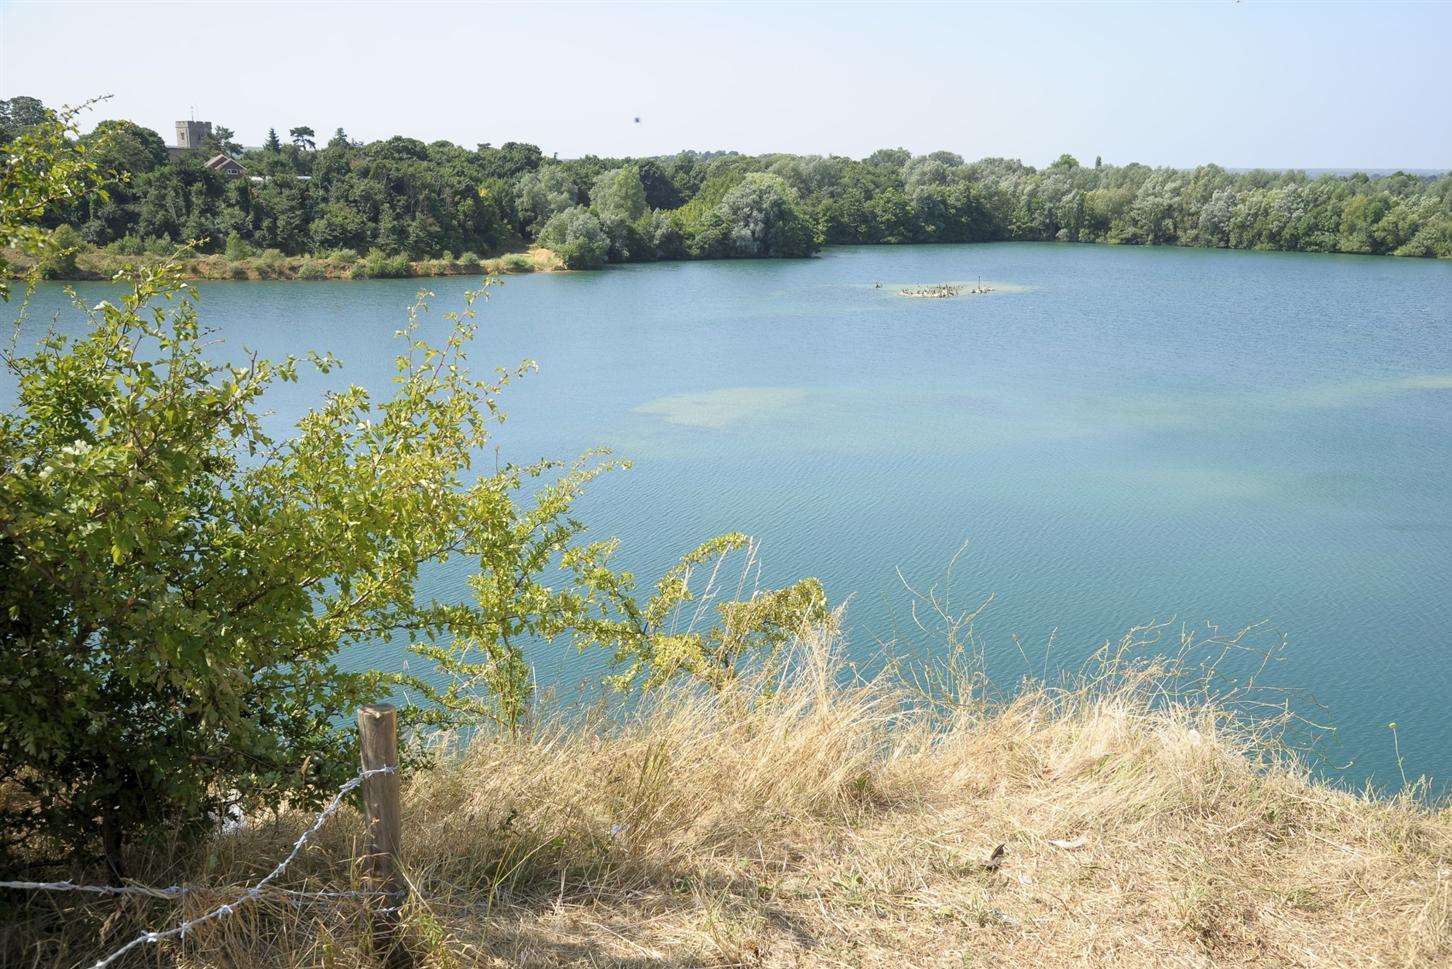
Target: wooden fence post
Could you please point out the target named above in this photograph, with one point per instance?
(383, 835)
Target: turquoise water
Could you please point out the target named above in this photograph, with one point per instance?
(1120, 434)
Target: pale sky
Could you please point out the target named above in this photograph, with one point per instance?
(1242, 84)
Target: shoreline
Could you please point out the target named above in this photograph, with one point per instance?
(100, 266)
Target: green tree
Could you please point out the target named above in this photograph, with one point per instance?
(21, 113)
(123, 148)
(303, 137)
(761, 218)
(510, 160)
(577, 237)
(543, 194)
(618, 199)
(418, 199)
(666, 238)
(273, 143)
(340, 226)
(223, 139)
(655, 642)
(618, 195)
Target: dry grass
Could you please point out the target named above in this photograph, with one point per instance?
(836, 822)
(98, 264)
(536, 260)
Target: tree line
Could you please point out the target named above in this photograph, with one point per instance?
(403, 198)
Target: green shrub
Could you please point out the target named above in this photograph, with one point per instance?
(237, 248)
(127, 246)
(312, 269)
(59, 258)
(379, 265)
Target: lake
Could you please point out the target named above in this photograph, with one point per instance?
(1119, 434)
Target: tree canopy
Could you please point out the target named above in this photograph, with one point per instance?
(418, 200)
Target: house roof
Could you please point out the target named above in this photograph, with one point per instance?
(222, 159)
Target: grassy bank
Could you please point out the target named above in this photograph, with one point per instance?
(830, 821)
(94, 264)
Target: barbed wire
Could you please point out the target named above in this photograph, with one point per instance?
(221, 911)
(168, 892)
(171, 891)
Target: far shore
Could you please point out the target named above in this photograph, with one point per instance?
(95, 264)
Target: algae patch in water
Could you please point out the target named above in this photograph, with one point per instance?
(724, 407)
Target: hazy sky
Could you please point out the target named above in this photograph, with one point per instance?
(1242, 84)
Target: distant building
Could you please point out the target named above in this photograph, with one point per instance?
(192, 134)
(226, 164)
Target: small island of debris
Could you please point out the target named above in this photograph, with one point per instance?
(943, 290)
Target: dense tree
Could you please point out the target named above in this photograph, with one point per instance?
(224, 139)
(618, 200)
(761, 217)
(509, 161)
(126, 148)
(661, 190)
(273, 143)
(409, 199)
(578, 237)
(618, 194)
(543, 193)
(20, 113)
(339, 226)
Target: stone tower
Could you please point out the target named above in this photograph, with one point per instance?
(191, 134)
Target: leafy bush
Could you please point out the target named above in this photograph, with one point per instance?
(41, 167)
(59, 259)
(379, 265)
(312, 269)
(127, 246)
